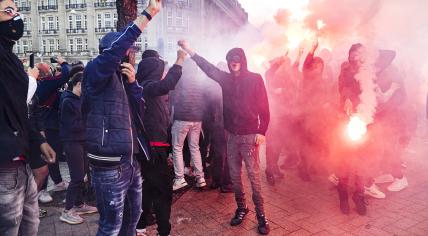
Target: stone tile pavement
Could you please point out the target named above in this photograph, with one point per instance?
(293, 207)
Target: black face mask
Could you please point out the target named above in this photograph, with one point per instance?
(12, 29)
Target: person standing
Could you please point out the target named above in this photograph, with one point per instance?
(246, 119)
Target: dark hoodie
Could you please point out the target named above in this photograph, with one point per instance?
(245, 102)
(72, 127)
(156, 115)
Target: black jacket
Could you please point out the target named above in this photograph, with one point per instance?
(156, 115)
(15, 129)
(72, 128)
(245, 102)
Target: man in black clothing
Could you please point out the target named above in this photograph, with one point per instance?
(246, 119)
(157, 185)
(19, 210)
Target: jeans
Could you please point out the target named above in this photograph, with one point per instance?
(118, 191)
(243, 148)
(78, 165)
(157, 190)
(19, 208)
(181, 129)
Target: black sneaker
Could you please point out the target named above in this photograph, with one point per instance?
(263, 227)
(239, 216)
(360, 203)
(270, 178)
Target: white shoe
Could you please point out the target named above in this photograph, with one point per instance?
(200, 182)
(71, 217)
(188, 171)
(179, 183)
(60, 186)
(334, 179)
(45, 197)
(374, 191)
(387, 178)
(398, 185)
(141, 232)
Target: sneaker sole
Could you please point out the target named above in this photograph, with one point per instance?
(69, 222)
(182, 186)
(375, 196)
(45, 201)
(87, 212)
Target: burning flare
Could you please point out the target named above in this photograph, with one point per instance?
(356, 128)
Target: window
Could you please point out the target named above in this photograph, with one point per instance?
(51, 45)
(70, 45)
(25, 46)
(43, 23)
(115, 20)
(51, 23)
(57, 44)
(99, 20)
(169, 16)
(107, 20)
(78, 21)
(79, 44)
(86, 22)
(170, 45)
(70, 22)
(146, 43)
(25, 24)
(57, 23)
(179, 19)
(44, 46)
(86, 44)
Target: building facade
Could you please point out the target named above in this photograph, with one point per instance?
(73, 28)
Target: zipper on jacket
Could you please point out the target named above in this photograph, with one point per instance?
(104, 130)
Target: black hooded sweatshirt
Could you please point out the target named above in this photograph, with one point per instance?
(156, 115)
(72, 127)
(15, 128)
(245, 101)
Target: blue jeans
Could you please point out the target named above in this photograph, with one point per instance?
(118, 192)
(19, 208)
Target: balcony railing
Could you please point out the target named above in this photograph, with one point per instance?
(75, 6)
(105, 29)
(24, 9)
(48, 8)
(105, 4)
(50, 31)
(77, 31)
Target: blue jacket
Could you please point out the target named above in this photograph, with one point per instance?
(71, 124)
(106, 109)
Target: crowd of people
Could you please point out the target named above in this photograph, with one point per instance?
(131, 136)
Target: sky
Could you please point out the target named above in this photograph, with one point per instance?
(261, 11)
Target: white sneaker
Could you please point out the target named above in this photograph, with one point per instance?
(387, 178)
(45, 197)
(141, 232)
(71, 217)
(374, 191)
(188, 171)
(398, 185)
(334, 179)
(200, 182)
(179, 183)
(60, 186)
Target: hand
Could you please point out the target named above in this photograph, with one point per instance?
(34, 72)
(260, 139)
(154, 7)
(348, 107)
(60, 60)
(185, 46)
(129, 71)
(48, 154)
(181, 54)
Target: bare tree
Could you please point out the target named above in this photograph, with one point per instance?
(126, 12)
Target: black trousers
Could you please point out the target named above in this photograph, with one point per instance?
(78, 166)
(157, 190)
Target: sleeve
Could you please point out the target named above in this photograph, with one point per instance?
(262, 106)
(135, 91)
(162, 87)
(212, 71)
(104, 65)
(69, 114)
(47, 87)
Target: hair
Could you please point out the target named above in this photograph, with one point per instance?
(76, 69)
(78, 77)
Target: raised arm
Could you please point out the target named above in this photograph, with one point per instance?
(162, 87)
(211, 70)
(103, 66)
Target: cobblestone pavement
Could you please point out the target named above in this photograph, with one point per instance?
(293, 207)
